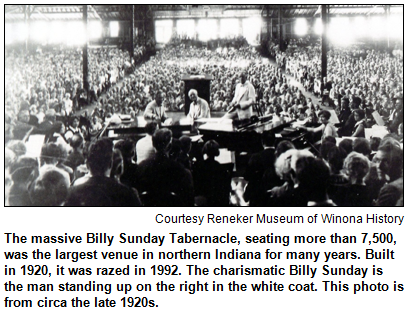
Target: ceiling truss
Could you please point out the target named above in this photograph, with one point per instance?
(124, 12)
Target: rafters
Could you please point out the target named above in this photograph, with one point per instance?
(122, 12)
(40, 13)
(96, 13)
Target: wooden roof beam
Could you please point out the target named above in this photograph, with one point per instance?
(96, 13)
(13, 8)
(318, 11)
(36, 10)
(372, 9)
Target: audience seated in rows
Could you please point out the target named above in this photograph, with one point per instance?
(368, 172)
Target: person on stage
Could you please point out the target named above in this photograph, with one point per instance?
(155, 111)
(199, 108)
(241, 105)
(326, 128)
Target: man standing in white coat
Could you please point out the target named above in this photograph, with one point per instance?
(243, 100)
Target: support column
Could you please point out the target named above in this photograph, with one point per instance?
(280, 29)
(387, 23)
(240, 27)
(196, 27)
(218, 27)
(132, 36)
(325, 19)
(27, 14)
(85, 50)
(25, 11)
(268, 23)
(174, 28)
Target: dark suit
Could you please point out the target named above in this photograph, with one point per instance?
(33, 120)
(348, 127)
(259, 164)
(328, 85)
(163, 176)
(344, 115)
(45, 128)
(75, 159)
(291, 197)
(101, 191)
(129, 175)
(398, 118)
(391, 193)
(21, 129)
(213, 181)
(353, 195)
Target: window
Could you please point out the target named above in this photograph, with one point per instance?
(186, 27)
(207, 29)
(75, 33)
(301, 27)
(114, 29)
(251, 28)
(229, 27)
(164, 30)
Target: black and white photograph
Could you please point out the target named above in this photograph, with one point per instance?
(204, 105)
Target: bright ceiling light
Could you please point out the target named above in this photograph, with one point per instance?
(57, 32)
(95, 29)
(340, 31)
(301, 26)
(396, 27)
(318, 26)
(39, 31)
(360, 26)
(20, 32)
(76, 34)
(8, 34)
(376, 24)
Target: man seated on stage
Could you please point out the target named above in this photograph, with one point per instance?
(155, 111)
(241, 105)
(199, 108)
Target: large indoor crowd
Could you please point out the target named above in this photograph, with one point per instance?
(76, 167)
(53, 79)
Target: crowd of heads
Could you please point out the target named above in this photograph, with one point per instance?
(338, 175)
(163, 74)
(44, 86)
(360, 167)
(45, 79)
(368, 78)
(358, 79)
